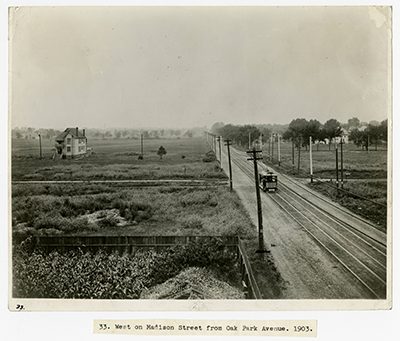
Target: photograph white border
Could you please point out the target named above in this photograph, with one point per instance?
(367, 325)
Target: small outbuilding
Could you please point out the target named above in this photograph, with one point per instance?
(71, 143)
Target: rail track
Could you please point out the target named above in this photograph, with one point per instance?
(358, 252)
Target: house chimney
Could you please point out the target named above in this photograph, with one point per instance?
(83, 131)
(76, 131)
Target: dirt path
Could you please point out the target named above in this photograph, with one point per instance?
(309, 271)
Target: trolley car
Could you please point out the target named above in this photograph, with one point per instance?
(269, 181)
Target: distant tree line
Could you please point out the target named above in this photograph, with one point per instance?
(299, 131)
(33, 133)
(240, 134)
(373, 134)
(116, 133)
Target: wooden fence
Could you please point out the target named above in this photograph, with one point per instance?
(249, 283)
(125, 244)
(129, 244)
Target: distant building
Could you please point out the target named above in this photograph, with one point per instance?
(345, 137)
(71, 143)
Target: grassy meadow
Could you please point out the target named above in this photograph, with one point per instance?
(357, 163)
(106, 209)
(115, 160)
(364, 173)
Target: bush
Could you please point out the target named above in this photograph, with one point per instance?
(210, 157)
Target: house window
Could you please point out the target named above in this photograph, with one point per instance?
(68, 140)
(68, 149)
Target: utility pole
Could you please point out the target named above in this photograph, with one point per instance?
(298, 158)
(219, 149)
(311, 165)
(249, 140)
(40, 145)
(337, 166)
(269, 148)
(279, 150)
(341, 160)
(293, 155)
(228, 142)
(215, 143)
(254, 158)
(272, 145)
(141, 146)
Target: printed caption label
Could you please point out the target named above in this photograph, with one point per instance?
(208, 327)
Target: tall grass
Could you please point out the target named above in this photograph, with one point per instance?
(156, 211)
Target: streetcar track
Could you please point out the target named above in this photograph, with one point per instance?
(329, 202)
(339, 221)
(335, 241)
(333, 254)
(345, 228)
(246, 169)
(332, 217)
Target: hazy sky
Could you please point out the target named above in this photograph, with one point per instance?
(183, 67)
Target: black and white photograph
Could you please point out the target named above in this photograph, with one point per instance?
(212, 157)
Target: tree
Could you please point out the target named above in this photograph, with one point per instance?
(374, 133)
(353, 123)
(384, 130)
(246, 131)
(161, 152)
(296, 131)
(360, 138)
(239, 134)
(357, 137)
(332, 129)
(265, 132)
(216, 127)
(314, 129)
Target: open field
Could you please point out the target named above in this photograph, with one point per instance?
(116, 160)
(358, 164)
(368, 170)
(105, 209)
(372, 190)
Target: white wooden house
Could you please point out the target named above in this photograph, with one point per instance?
(71, 143)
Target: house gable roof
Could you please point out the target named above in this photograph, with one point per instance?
(72, 132)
